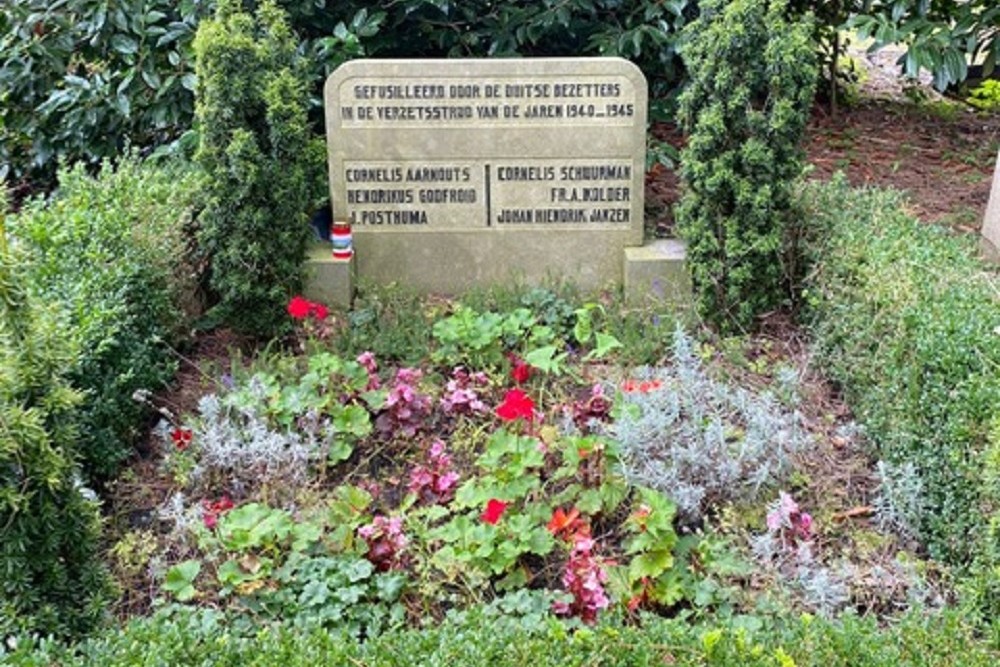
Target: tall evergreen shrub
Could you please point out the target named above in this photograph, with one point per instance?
(51, 580)
(752, 80)
(255, 148)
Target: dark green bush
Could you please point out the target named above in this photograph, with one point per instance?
(752, 77)
(81, 79)
(51, 580)
(644, 31)
(482, 639)
(108, 253)
(259, 163)
(907, 320)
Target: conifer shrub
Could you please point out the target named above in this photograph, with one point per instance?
(259, 161)
(752, 79)
(108, 252)
(51, 580)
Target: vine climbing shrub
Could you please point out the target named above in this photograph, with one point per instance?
(51, 580)
(752, 80)
(256, 151)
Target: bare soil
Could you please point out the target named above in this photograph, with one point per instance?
(940, 153)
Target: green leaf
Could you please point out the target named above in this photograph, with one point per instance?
(124, 45)
(583, 328)
(605, 343)
(547, 359)
(340, 450)
(353, 420)
(650, 564)
(180, 580)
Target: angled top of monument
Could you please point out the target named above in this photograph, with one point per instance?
(525, 165)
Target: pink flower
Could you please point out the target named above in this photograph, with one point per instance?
(789, 520)
(494, 510)
(386, 542)
(584, 578)
(434, 481)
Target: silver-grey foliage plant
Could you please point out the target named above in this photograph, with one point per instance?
(237, 446)
(900, 500)
(700, 441)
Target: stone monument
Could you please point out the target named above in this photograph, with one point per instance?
(991, 222)
(455, 173)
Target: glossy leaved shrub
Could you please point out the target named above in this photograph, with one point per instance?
(82, 79)
(752, 78)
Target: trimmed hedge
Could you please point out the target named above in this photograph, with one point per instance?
(51, 580)
(907, 320)
(206, 638)
(108, 253)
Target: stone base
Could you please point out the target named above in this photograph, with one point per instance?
(327, 280)
(657, 274)
(991, 252)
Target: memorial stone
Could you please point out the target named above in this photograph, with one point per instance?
(454, 173)
(991, 222)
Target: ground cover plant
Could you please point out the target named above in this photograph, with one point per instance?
(520, 464)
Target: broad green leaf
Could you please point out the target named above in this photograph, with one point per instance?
(650, 564)
(605, 343)
(180, 580)
(547, 359)
(340, 450)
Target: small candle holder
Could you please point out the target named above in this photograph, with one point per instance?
(340, 237)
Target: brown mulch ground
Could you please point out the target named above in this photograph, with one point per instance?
(942, 156)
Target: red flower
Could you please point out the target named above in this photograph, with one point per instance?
(223, 504)
(211, 510)
(516, 405)
(494, 510)
(299, 308)
(643, 387)
(319, 311)
(570, 525)
(182, 438)
(521, 371)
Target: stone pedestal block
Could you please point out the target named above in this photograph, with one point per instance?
(657, 273)
(327, 280)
